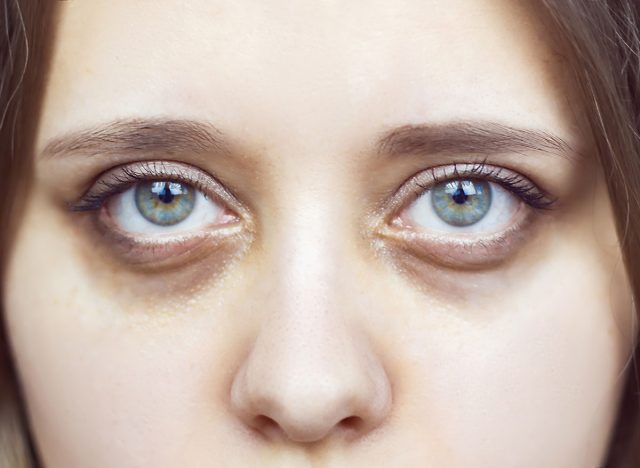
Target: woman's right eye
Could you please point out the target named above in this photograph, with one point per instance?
(153, 211)
(164, 207)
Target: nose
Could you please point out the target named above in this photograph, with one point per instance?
(306, 390)
(312, 372)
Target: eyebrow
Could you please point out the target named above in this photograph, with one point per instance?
(137, 135)
(484, 138)
(179, 136)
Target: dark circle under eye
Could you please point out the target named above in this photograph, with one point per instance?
(164, 202)
(461, 202)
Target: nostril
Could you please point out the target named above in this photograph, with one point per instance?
(266, 426)
(352, 424)
(269, 427)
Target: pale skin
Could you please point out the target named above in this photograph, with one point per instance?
(310, 327)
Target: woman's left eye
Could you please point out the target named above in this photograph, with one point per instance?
(463, 205)
(467, 202)
(163, 206)
(467, 216)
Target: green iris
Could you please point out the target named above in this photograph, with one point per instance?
(461, 202)
(163, 202)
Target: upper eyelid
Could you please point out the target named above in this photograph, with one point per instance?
(487, 172)
(413, 187)
(124, 177)
(467, 170)
(119, 179)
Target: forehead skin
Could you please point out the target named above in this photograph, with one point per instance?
(522, 371)
(308, 70)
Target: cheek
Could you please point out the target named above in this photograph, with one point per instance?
(539, 364)
(109, 383)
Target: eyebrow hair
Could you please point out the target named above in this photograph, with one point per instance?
(122, 136)
(483, 138)
(172, 136)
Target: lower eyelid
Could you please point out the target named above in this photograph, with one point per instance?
(165, 250)
(177, 269)
(462, 251)
(458, 253)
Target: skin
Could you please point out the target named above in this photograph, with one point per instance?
(308, 337)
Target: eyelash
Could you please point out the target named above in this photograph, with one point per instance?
(104, 188)
(517, 184)
(464, 250)
(446, 250)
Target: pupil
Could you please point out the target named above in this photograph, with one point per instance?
(459, 196)
(166, 196)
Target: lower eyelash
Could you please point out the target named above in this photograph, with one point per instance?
(173, 248)
(460, 252)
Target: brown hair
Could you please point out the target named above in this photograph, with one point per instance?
(23, 50)
(602, 40)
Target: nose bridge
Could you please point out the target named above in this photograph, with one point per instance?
(310, 274)
(310, 369)
(308, 261)
(308, 255)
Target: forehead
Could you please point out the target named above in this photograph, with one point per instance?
(302, 70)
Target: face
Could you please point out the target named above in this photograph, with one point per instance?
(315, 234)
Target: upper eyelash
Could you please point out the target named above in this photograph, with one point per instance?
(517, 184)
(103, 189)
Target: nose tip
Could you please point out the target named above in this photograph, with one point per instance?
(310, 411)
